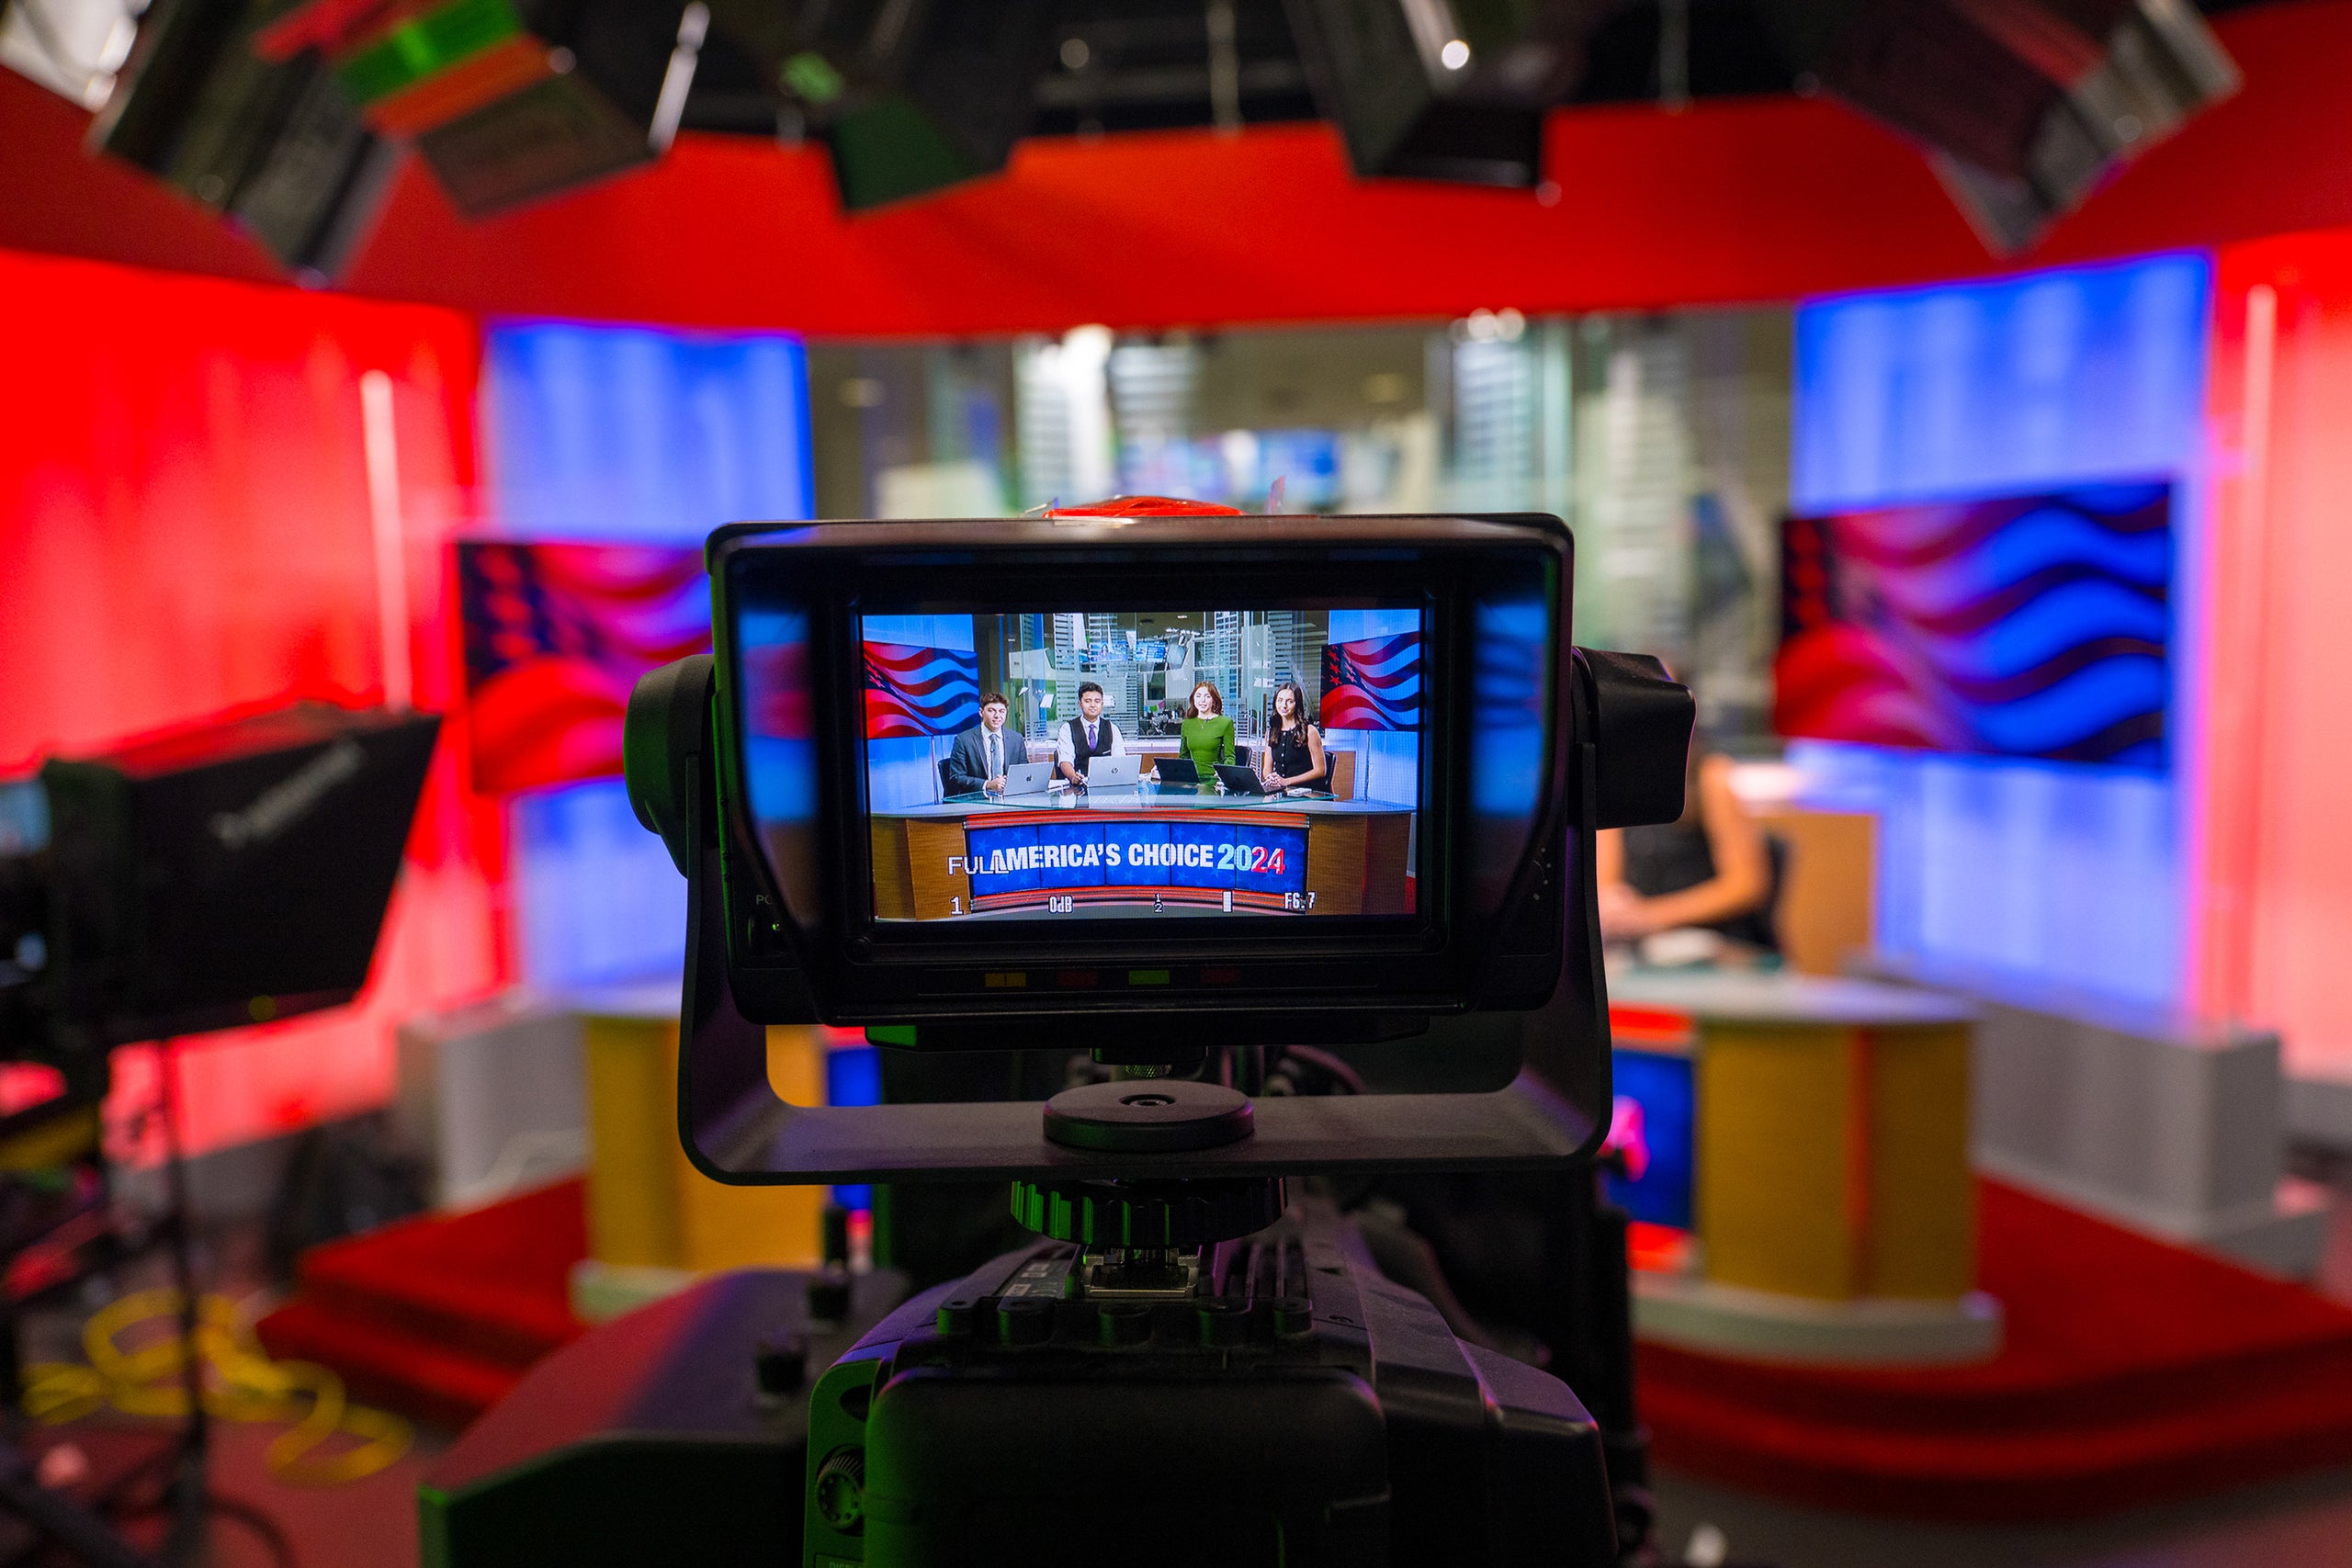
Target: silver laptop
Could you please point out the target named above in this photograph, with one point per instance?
(1028, 778)
(1111, 773)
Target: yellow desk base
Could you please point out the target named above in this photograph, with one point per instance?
(1832, 1160)
(655, 1223)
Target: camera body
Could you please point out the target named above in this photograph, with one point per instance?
(1298, 1410)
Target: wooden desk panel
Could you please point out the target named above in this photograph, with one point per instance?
(1826, 912)
(894, 891)
(1387, 848)
(1920, 1238)
(1335, 865)
(937, 893)
(1776, 1192)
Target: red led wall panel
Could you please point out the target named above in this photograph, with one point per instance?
(2276, 840)
(184, 528)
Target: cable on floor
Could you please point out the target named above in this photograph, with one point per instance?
(328, 1441)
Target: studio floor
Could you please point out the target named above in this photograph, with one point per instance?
(2305, 1522)
(2300, 1522)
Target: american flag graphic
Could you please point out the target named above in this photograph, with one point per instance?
(1373, 683)
(555, 635)
(913, 692)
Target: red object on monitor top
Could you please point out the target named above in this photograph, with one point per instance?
(1146, 506)
(329, 25)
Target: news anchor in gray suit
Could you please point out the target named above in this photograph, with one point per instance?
(980, 756)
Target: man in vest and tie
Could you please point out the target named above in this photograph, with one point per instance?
(1086, 737)
(978, 758)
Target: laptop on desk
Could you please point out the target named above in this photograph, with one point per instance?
(1111, 773)
(1177, 770)
(1028, 778)
(1240, 780)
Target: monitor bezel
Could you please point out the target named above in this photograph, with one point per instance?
(917, 970)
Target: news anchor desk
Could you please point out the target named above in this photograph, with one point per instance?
(1172, 848)
(1831, 1206)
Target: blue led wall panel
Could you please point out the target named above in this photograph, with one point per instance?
(854, 1077)
(593, 905)
(2067, 873)
(628, 433)
(1389, 761)
(2086, 374)
(1654, 1124)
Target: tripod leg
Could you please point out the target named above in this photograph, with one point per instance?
(185, 1493)
(1623, 1438)
(12, 1371)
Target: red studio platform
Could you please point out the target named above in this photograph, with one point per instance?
(440, 1317)
(2134, 1371)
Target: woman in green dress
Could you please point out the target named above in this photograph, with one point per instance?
(1207, 735)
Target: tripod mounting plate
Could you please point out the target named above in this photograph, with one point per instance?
(1142, 1115)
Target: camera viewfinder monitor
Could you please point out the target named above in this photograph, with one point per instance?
(1364, 809)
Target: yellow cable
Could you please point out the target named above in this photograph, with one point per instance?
(240, 1383)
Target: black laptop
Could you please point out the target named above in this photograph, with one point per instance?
(1176, 769)
(1240, 780)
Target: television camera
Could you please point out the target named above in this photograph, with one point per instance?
(1195, 1356)
(225, 872)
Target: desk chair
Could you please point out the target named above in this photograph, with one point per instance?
(1760, 927)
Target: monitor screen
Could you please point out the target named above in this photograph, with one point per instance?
(1146, 762)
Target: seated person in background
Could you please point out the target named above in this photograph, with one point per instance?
(980, 756)
(1710, 868)
(1086, 737)
(1293, 753)
(1207, 735)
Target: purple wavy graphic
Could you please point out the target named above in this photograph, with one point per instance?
(2028, 626)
